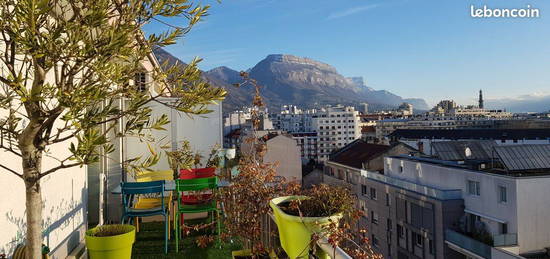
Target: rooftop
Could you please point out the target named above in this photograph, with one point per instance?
(463, 150)
(471, 134)
(358, 152)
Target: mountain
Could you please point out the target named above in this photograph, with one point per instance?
(287, 79)
(524, 103)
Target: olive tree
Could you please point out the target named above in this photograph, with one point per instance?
(66, 66)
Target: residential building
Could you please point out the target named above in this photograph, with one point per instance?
(308, 143)
(504, 201)
(282, 150)
(474, 199)
(235, 120)
(336, 127)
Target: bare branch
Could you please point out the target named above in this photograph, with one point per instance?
(11, 171)
(59, 167)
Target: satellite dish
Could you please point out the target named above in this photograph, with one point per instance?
(468, 152)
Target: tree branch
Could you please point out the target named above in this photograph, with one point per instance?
(12, 171)
(59, 167)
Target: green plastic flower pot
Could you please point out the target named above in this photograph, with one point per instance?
(295, 232)
(111, 247)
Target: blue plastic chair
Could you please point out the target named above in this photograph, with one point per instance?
(129, 190)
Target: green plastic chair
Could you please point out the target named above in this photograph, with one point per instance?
(193, 185)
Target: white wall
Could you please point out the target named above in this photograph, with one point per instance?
(533, 212)
(203, 132)
(65, 204)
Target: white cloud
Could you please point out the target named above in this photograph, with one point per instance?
(351, 11)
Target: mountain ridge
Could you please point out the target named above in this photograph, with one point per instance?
(289, 79)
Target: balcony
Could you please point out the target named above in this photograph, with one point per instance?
(510, 239)
(413, 187)
(468, 245)
(476, 249)
(150, 244)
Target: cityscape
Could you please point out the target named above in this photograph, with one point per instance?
(311, 129)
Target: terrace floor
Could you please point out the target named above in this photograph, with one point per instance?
(150, 244)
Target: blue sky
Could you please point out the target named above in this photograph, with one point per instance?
(431, 49)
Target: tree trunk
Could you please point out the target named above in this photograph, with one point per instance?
(32, 161)
(34, 219)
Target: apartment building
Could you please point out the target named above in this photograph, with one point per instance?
(475, 200)
(308, 143)
(336, 127)
(404, 220)
(505, 203)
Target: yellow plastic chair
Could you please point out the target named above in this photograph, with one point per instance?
(148, 202)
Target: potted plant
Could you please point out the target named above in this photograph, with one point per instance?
(110, 241)
(302, 219)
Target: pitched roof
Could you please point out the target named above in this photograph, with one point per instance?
(524, 157)
(471, 133)
(464, 150)
(357, 152)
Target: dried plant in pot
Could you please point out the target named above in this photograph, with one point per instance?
(320, 212)
(246, 201)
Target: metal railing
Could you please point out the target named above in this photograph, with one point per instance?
(468, 243)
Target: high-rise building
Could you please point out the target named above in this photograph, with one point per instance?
(480, 99)
(336, 127)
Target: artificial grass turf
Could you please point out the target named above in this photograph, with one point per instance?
(150, 244)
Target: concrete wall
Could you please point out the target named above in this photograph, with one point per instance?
(533, 199)
(285, 150)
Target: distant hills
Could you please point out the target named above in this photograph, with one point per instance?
(287, 79)
(525, 103)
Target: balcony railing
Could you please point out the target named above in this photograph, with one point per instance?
(510, 239)
(468, 243)
(421, 189)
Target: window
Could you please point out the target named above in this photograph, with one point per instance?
(373, 194)
(388, 202)
(374, 217)
(417, 238)
(140, 81)
(400, 231)
(363, 189)
(473, 188)
(503, 228)
(374, 241)
(431, 246)
(389, 225)
(502, 195)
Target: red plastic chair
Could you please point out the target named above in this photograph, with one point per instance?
(194, 174)
(197, 173)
